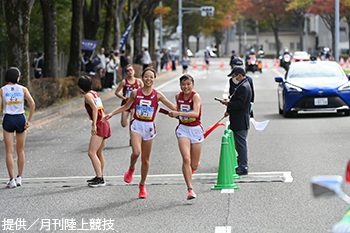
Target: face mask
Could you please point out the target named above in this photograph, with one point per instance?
(235, 81)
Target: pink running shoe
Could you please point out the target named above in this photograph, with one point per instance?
(191, 195)
(128, 175)
(143, 192)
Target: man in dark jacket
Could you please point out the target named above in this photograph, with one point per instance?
(38, 65)
(234, 83)
(238, 108)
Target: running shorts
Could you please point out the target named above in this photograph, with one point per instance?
(12, 123)
(146, 129)
(194, 133)
(103, 129)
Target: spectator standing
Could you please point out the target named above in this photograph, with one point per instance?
(94, 60)
(147, 61)
(102, 64)
(84, 61)
(116, 69)
(124, 61)
(164, 59)
(173, 59)
(110, 66)
(38, 65)
(237, 62)
(156, 58)
(233, 56)
(207, 59)
(238, 108)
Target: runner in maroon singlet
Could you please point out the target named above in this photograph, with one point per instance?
(124, 90)
(142, 128)
(189, 132)
(100, 131)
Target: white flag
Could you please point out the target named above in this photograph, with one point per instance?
(259, 126)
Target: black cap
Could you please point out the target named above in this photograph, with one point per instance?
(40, 54)
(236, 70)
(237, 62)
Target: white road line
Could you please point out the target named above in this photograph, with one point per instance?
(166, 83)
(227, 190)
(226, 229)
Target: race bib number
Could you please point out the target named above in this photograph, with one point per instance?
(98, 103)
(186, 108)
(127, 94)
(144, 111)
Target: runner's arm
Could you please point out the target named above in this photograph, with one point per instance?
(165, 101)
(119, 89)
(31, 102)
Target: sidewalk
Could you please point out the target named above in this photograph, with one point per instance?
(51, 112)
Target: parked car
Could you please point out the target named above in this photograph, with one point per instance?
(200, 53)
(313, 86)
(301, 56)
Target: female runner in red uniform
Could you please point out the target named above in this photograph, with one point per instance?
(126, 86)
(100, 131)
(189, 132)
(142, 128)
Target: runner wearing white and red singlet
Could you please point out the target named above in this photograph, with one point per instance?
(189, 132)
(142, 128)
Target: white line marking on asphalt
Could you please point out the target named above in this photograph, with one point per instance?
(227, 190)
(226, 229)
(166, 83)
(287, 175)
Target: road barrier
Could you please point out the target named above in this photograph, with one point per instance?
(227, 164)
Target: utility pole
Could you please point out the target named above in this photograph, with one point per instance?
(160, 30)
(205, 10)
(336, 42)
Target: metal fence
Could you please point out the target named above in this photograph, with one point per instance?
(62, 66)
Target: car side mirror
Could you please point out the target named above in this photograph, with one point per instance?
(279, 79)
(348, 76)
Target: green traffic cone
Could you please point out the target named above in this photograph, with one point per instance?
(225, 179)
(231, 142)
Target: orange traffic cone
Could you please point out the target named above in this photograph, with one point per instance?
(274, 62)
(265, 64)
(341, 61)
(194, 64)
(347, 63)
(221, 64)
(170, 66)
(203, 65)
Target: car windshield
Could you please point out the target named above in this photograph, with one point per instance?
(316, 71)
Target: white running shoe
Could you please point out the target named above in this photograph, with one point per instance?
(18, 181)
(11, 184)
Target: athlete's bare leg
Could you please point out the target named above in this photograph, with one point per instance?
(185, 150)
(20, 141)
(146, 152)
(8, 139)
(100, 155)
(136, 141)
(124, 119)
(95, 145)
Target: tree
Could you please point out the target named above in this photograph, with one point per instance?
(17, 16)
(108, 24)
(118, 9)
(273, 12)
(50, 38)
(74, 63)
(326, 10)
(92, 18)
(299, 9)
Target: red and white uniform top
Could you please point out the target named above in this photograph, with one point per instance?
(187, 106)
(101, 112)
(129, 87)
(145, 106)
